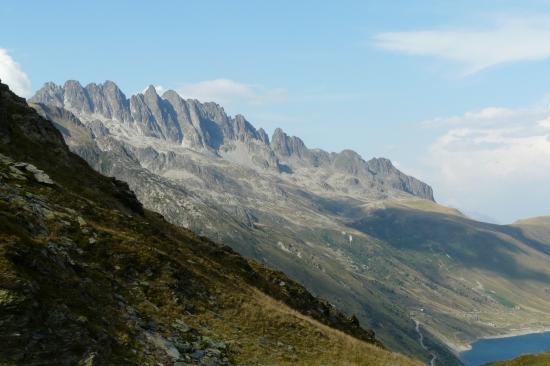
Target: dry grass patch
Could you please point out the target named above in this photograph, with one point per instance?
(262, 330)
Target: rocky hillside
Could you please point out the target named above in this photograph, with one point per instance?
(206, 127)
(359, 233)
(265, 198)
(90, 277)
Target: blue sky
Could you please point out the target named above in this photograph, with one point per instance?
(455, 93)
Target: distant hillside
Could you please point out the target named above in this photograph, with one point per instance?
(536, 229)
(89, 277)
(264, 197)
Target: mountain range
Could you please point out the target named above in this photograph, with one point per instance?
(360, 233)
(88, 276)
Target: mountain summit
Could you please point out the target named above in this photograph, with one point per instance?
(90, 277)
(205, 127)
(270, 198)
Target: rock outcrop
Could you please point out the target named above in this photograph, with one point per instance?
(206, 127)
(89, 277)
(273, 199)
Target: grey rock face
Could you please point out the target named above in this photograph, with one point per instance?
(262, 135)
(189, 120)
(108, 100)
(350, 162)
(287, 146)
(56, 113)
(275, 200)
(51, 94)
(243, 130)
(206, 127)
(164, 115)
(76, 98)
(384, 170)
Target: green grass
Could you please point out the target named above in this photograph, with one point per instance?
(71, 291)
(542, 359)
(501, 299)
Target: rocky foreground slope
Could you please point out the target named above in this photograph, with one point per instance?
(90, 277)
(274, 200)
(360, 233)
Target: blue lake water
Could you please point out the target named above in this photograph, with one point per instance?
(488, 350)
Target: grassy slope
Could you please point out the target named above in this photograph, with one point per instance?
(537, 229)
(371, 301)
(472, 279)
(487, 276)
(86, 273)
(542, 359)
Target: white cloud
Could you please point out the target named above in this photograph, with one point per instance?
(509, 39)
(468, 156)
(493, 152)
(489, 116)
(226, 91)
(544, 123)
(12, 75)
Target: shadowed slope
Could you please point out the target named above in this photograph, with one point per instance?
(87, 276)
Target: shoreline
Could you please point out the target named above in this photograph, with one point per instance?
(516, 333)
(457, 349)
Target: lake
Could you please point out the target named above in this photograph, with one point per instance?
(488, 350)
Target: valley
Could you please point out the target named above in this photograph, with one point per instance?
(275, 183)
(90, 277)
(361, 234)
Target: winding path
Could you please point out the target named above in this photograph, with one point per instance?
(421, 340)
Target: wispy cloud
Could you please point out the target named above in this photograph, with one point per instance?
(492, 149)
(13, 75)
(226, 91)
(488, 117)
(507, 39)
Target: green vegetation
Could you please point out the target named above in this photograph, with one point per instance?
(536, 229)
(542, 359)
(88, 277)
(501, 299)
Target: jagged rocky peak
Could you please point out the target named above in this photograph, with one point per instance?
(287, 146)
(262, 135)
(163, 113)
(151, 92)
(384, 170)
(50, 94)
(381, 166)
(104, 99)
(188, 116)
(109, 101)
(213, 111)
(243, 130)
(206, 127)
(76, 98)
(350, 162)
